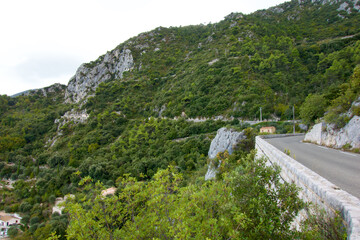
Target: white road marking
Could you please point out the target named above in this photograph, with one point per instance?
(347, 153)
(323, 147)
(351, 154)
(354, 155)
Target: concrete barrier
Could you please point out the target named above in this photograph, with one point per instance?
(314, 188)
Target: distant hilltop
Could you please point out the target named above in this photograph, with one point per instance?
(44, 91)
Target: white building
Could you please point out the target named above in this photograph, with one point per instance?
(6, 221)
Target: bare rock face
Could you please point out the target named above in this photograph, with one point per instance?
(349, 5)
(225, 139)
(70, 116)
(75, 116)
(89, 76)
(57, 87)
(314, 135)
(328, 135)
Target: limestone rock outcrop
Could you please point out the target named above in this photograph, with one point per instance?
(89, 76)
(328, 135)
(225, 139)
(57, 87)
(70, 116)
(73, 115)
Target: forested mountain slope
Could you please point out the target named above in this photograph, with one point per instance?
(271, 58)
(125, 112)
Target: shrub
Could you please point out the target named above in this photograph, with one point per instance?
(33, 228)
(313, 108)
(7, 209)
(339, 120)
(319, 225)
(52, 199)
(25, 207)
(12, 232)
(25, 219)
(347, 146)
(356, 110)
(34, 220)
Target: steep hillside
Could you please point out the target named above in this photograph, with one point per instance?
(128, 112)
(270, 59)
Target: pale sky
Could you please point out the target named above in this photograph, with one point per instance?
(44, 41)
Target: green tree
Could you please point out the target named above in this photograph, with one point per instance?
(249, 203)
(313, 108)
(8, 143)
(343, 103)
(13, 231)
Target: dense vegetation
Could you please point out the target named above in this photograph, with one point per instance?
(243, 205)
(304, 56)
(236, 66)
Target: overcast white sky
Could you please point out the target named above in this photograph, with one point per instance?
(44, 41)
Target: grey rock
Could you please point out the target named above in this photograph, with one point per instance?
(330, 2)
(344, 7)
(328, 135)
(314, 135)
(213, 61)
(212, 171)
(159, 111)
(356, 103)
(75, 116)
(57, 87)
(357, 5)
(277, 10)
(225, 139)
(323, 2)
(70, 116)
(88, 77)
(209, 39)
(303, 127)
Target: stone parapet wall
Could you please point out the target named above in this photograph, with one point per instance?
(314, 188)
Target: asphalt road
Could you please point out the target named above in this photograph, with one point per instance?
(338, 167)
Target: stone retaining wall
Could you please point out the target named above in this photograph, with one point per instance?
(315, 188)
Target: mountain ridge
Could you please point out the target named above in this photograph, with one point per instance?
(139, 47)
(72, 87)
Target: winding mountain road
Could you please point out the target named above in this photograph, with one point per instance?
(340, 168)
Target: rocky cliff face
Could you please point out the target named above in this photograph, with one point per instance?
(89, 76)
(225, 139)
(331, 2)
(328, 135)
(55, 88)
(344, 7)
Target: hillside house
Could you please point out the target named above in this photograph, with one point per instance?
(6, 221)
(270, 130)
